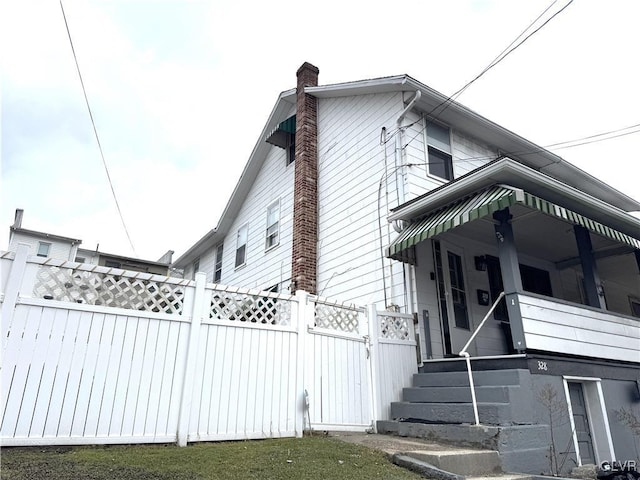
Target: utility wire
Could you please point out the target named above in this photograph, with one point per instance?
(508, 50)
(621, 132)
(95, 131)
(598, 135)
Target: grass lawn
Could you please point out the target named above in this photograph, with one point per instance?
(289, 458)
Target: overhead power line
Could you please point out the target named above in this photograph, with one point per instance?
(442, 106)
(95, 131)
(594, 138)
(502, 55)
(576, 142)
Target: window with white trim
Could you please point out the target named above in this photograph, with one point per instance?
(217, 273)
(273, 225)
(241, 245)
(43, 249)
(439, 158)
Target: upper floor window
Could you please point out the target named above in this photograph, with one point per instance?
(439, 158)
(43, 249)
(241, 245)
(217, 273)
(273, 225)
(291, 149)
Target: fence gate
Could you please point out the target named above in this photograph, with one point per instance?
(338, 368)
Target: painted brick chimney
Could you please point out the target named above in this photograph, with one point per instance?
(305, 193)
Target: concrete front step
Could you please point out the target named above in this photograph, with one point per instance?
(493, 394)
(489, 413)
(461, 461)
(480, 378)
(503, 476)
(522, 448)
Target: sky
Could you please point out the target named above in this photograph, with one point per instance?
(180, 92)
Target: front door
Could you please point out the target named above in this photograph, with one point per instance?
(581, 422)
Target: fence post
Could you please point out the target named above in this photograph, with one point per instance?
(374, 350)
(186, 400)
(302, 313)
(12, 287)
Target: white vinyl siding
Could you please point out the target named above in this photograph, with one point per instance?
(273, 182)
(351, 164)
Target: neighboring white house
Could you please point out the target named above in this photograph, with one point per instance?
(40, 243)
(373, 192)
(64, 248)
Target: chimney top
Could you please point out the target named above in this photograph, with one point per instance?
(307, 76)
(306, 66)
(17, 222)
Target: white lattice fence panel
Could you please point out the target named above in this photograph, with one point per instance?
(251, 307)
(394, 327)
(337, 317)
(108, 289)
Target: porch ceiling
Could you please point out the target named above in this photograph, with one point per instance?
(546, 238)
(541, 228)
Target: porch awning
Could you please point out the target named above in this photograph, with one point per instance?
(281, 134)
(484, 203)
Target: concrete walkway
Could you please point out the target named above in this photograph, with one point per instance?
(433, 460)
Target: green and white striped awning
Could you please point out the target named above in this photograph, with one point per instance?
(281, 134)
(483, 204)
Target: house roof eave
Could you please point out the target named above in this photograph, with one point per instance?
(44, 235)
(197, 249)
(285, 100)
(480, 127)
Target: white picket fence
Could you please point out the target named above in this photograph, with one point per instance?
(97, 355)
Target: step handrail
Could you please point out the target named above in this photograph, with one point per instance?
(467, 358)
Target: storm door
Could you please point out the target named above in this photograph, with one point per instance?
(454, 298)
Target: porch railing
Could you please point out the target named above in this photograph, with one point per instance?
(467, 358)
